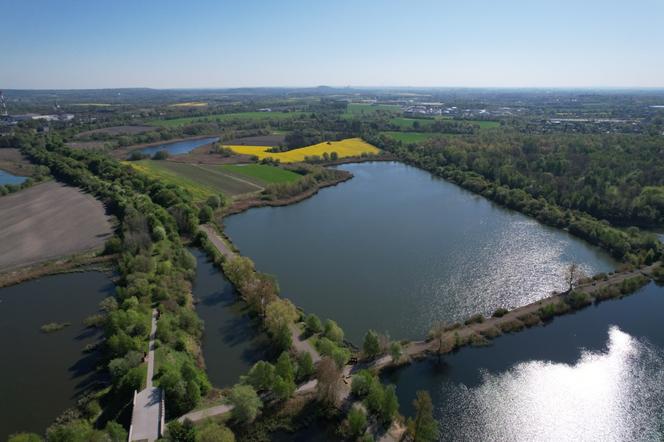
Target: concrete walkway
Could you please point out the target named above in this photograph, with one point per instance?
(147, 416)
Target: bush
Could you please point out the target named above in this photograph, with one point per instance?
(313, 324)
(475, 319)
(500, 312)
(578, 300)
(246, 403)
(333, 331)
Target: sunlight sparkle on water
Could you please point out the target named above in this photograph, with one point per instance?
(612, 395)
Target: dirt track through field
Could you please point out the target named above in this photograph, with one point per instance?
(48, 221)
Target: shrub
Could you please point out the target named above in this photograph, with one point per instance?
(578, 300)
(313, 324)
(333, 331)
(500, 312)
(475, 319)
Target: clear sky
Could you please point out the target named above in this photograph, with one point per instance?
(220, 43)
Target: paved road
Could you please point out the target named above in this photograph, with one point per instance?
(146, 416)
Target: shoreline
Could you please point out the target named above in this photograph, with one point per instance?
(68, 264)
(129, 149)
(242, 205)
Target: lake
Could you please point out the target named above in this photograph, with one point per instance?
(396, 249)
(232, 342)
(8, 178)
(43, 373)
(178, 147)
(595, 375)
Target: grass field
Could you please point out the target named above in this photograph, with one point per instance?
(201, 181)
(412, 137)
(250, 116)
(262, 172)
(350, 147)
(407, 123)
(356, 109)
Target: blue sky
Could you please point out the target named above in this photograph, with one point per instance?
(208, 43)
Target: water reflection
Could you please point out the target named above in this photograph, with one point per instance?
(397, 250)
(614, 394)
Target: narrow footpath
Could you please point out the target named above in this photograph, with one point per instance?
(147, 418)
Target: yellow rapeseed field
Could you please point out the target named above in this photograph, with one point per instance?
(350, 147)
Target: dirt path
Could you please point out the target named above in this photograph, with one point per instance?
(217, 241)
(302, 345)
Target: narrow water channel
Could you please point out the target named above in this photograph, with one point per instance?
(44, 373)
(232, 342)
(396, 250)
(595, 375)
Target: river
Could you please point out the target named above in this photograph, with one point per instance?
(44, 373)
(178, 147)
(595, 375)
(232, 342)
(396, 250)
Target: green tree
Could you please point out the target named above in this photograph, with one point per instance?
(246, 403)
(390, 404)
(423, 427)
(361, 383)
(371, 346)
(214, 432)
(284, 367)
(396, 351)
(283, 388)
(205, 214)
(260, 376)
(181, 431)
(313, 324)
(305, 366)
(213, 201)
(333, 331)
(357, 421)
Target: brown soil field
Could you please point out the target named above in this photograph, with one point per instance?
(260, 140)
(117, 130)
(48, 221)
(12, 161)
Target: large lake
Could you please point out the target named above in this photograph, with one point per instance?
(44, 373)
(396, 249)
(232, 342)
(595, 375)
(178, 147)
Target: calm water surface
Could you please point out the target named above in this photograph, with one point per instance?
(231, 341)
(8, 178)
(43, 373)
(595, 375)
(178, 147)
(396, 249)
